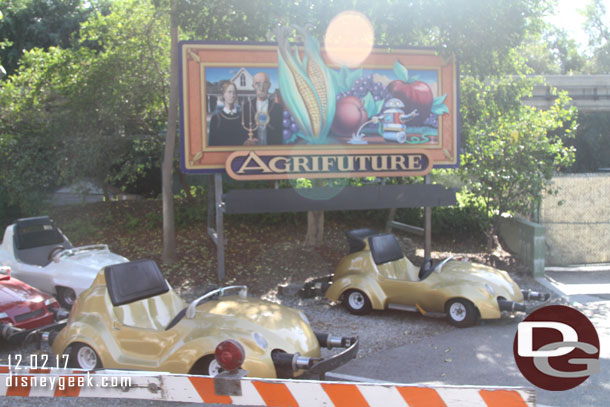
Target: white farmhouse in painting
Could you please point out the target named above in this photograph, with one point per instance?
(243, 80)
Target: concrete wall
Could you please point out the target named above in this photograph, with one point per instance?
(589, 93)
(526, 240)
(577, 220)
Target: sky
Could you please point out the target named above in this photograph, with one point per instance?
(570, 19)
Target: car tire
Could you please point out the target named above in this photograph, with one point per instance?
(357, 302)
(84, 357)
(461, 313)
(206, 366)
(66, 297)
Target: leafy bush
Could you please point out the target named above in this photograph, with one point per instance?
(511, 150)
(138, 170)
(80, 230)
(188, 212)
(467, 217)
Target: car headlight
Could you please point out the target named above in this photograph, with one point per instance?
(260, 340)
(490, 289)
(50, 301)
(3, 315)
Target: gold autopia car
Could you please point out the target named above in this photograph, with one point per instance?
(377, 275)
(130, 318)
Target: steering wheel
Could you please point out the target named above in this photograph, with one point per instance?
(426, 268)
(55, 251)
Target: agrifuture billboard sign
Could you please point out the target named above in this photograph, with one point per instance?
(287, 111)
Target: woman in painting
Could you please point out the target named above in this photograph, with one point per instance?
(225, 125)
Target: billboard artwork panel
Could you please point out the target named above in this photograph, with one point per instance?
(262, 102)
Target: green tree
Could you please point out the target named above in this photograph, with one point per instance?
(31, 160)
(511, 150)
(2, 70)
(552, 52)
(39, 24)
(119, 93)
(90, 103)
(598, 30)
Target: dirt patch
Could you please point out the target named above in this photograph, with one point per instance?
(260, 252)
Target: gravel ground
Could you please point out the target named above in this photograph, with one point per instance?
(377, 331)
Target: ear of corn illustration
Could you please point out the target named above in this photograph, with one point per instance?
(306, 85)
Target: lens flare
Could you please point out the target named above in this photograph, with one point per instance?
(349, 39)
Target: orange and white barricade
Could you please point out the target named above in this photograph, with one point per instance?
(26, 382)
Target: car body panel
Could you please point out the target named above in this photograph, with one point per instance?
(134, 335)
(24, 306)
(74, 268)
(353, 276)
(397, 283)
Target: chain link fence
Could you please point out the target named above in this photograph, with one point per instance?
(577, 220)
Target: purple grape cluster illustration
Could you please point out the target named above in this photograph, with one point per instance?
(290, 127)
(364, 85)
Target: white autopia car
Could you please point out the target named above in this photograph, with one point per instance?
(42, 256)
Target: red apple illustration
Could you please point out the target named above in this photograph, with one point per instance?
(415, 95)
(350, 114)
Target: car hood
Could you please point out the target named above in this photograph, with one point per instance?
(282, 327)
(15, 293)
(457, 272)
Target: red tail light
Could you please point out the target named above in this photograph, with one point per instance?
(230, 354)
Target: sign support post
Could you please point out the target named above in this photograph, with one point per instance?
(427, 223)
(216, 208)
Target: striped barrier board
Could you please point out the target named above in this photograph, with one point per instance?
(254, 392)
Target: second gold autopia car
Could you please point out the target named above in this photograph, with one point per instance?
(377, 275)
(130, 318)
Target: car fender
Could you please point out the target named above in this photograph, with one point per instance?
(486, 304)
(183, 359)
(258, 362)
(83, 333)
(364, 282)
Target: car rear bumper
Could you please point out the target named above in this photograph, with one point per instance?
(288, 364)
(528, 295)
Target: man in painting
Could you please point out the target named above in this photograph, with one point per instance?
(264, 114)
(226, 124)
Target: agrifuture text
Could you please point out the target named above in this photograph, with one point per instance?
(317, 164)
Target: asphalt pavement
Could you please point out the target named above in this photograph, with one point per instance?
(483, 355)
(477, 356)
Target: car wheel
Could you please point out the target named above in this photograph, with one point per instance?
(461, 313)
(84, 357)
(66, 297)
(207, 366)
(357, 302)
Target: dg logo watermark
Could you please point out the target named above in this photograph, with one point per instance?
(556, 348)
